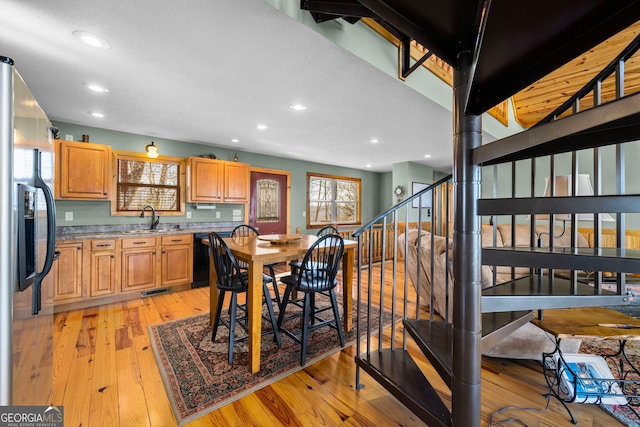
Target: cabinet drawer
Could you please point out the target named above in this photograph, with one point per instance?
(103, 245)
(138, 242)
(178, 239)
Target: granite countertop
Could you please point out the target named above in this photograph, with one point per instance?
(130, 230)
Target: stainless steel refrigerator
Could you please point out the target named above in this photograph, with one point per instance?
(27, 244)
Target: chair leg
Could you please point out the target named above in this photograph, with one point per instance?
(305, 327)
(336, 313)
(285, 301)
(272, 273)
(272, 315)
(232, 325)
(218, 312)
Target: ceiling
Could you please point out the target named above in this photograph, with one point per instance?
(211, 71)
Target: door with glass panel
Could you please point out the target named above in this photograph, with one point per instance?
(268, 206)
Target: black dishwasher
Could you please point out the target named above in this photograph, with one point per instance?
(201, 258)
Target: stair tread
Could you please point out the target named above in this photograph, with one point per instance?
(435, 337)
(610, 123)
(540, 292)
(571, 258)
(400, 375)
(535, 285)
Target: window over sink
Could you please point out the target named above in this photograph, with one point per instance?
(141, 181)
(332, 200)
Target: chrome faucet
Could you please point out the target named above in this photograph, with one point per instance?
(154, 220)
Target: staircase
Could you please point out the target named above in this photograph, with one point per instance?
(503, 308)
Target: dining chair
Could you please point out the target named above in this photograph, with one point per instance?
(327, 229)
(245, 230)
(317, 274)
(231, 278)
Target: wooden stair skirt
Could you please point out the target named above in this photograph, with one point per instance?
(398, 373)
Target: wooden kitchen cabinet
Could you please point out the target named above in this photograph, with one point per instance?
(205, 180)
(83, 171)
(67, 272)
(138, 263)
(217, 181)
(103, 267)
(236, 182)
(177, 259)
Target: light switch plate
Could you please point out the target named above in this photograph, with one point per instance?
(217, 215)
(188, 215)
(68, 216)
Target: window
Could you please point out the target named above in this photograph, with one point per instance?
(141, 181)
(332, 200)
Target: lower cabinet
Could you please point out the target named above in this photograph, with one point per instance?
(138, 258)
(67, 272)
(88, 270)
(177, 260)
(103, 268)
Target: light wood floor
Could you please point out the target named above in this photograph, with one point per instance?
(105, 374)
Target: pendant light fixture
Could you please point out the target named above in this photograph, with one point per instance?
(152, 150)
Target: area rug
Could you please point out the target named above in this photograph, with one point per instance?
(196, 373)
(626, 414)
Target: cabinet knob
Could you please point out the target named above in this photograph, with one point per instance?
(79, 248)
(113, 256)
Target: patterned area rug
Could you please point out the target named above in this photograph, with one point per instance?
(198, 378)
(627, 414)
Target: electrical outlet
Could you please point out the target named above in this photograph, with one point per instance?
(68, 137)
(68, 216)
(217, 215)
(188, 215)
(304, 214)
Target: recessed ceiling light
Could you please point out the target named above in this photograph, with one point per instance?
(427, 155)
(91, 39)
(96, 114)
(262, 127)
(368, 165)
(298, 107)
(95, 88)
(235, 140)
(374, 140)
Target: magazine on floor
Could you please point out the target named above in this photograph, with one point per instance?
(589, 379)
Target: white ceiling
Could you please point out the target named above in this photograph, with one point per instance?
(207, 71)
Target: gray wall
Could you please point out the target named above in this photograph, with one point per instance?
(98, 213)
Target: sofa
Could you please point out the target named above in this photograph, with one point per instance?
(529, 341)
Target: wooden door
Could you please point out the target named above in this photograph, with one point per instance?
(138, 269)
(68, 279)
(83, 171)
(177, 264)
(103, 273)
(205, 180)
(268, 206)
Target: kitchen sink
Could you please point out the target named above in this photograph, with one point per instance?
(144, 231)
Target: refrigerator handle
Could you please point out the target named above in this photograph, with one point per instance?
(51, 233)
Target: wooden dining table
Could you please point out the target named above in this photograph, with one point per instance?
(257, 251)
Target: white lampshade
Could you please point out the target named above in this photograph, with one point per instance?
(564, 188)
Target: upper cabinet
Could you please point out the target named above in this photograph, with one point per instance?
(83, 171)
(217, 181)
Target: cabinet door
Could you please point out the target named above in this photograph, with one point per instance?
(68, 272)
(138, 269)
(177, 264)
(103, 273)
(205, 180)
(236, 182)
(83, 171)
